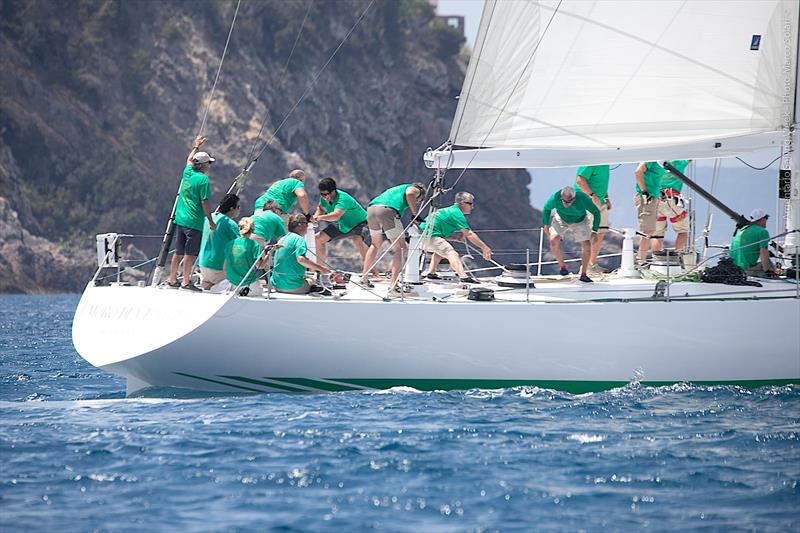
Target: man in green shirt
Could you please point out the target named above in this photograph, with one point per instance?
(289, 267)
(243, 253)
(671, 207)
(648, 188)
(191, 208)
(348, 220)
(450, 223)
(749, 248)
(217, 242)
(268, 224)
(286, 192)
(571, 216)
(384, 217)
(593, 181)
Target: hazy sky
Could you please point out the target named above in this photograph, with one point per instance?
(471, 9)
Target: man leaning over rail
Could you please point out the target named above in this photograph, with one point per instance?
(749, 249)
(571, 208)
(286, 192)
(450, 223)
(192, 207)
(268, 224)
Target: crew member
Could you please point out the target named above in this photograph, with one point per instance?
(243, 254)
(671, 207)
(749, 249)
(593, 181)
(217, 242)
(348, 220)
(289, 268)
(571, 209)
(286, 192)
(648, 188)
(268, 224)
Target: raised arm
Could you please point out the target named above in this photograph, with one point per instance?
(198, 142)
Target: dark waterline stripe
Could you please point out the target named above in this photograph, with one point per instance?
(280, 385)
(233, 386)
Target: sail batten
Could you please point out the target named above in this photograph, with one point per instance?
(625, 76)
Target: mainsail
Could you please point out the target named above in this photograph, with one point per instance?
(559, 83)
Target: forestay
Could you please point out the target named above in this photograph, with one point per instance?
(574, 82)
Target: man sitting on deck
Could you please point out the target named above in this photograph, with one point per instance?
(348, 220)
(217, 242)
(571, 208)
(190, 210)
(450, 223)
(286, 192)
(749, 249)
(289, 268)
(243, 254)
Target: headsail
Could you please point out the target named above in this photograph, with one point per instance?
(576, 82)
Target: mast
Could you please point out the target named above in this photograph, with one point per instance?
(792, 242)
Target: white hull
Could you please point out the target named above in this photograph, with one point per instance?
(168, 338)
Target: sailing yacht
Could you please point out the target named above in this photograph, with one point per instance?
(550, 84)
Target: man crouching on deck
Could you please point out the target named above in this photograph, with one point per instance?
(570, 208)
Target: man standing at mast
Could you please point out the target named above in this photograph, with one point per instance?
(594, 182)
(192, 207)
(671, 206)
(648, 188)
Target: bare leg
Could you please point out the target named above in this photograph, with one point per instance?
(173, 268)
(656, 244)
(586, 252)
(644, 247)
(362, 249)
(320, 240)
(596, 245)
(372, 254)
(555, 247)
(455, 262)
(680, 242)
(398, 248)
(188, 265)
(435, 259)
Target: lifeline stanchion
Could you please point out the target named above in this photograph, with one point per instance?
(541, 242)
(527, 275)
(669, 281)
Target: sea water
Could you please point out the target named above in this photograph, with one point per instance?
(75, 455)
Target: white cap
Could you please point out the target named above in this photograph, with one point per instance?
(203, 157)
(758, 214)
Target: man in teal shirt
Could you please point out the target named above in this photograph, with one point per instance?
(289, 266)
(218, 241)
(268, 224)
(593, 180)
(671, 207)
(571, 209)
(191, 208)
(450, 223)
(648, 188)
(749, 248)
(348, 220)
(286, 192)
(242, 260)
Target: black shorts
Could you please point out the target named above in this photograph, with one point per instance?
(360, 230)
(188, 242)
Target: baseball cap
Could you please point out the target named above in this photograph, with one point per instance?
(757, 214)
(203, 157)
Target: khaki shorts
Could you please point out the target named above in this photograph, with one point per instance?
(437, 245)
(581, 231)
(382, 218)
(669, 208)
(646, 213)
(211, 276)
(603, 219)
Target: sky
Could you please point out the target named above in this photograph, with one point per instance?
(741, 188)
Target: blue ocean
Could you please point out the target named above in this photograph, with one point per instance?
(76, 455)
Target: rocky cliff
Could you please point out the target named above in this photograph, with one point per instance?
(99, 101)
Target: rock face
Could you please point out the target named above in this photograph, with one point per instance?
(100, 99)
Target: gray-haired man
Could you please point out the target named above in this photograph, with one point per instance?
(570, 208)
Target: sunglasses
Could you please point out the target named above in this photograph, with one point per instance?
(468, 203)
(325, 193)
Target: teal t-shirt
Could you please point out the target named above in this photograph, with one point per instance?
(745, 248)
(597, 178)
(282, 191)
(287, 273)
(576, 211)
(268, 225)
(215, 245)
(394, 197)
(447, 221)
(669, 181)
(241, 256)
(353, 215)
(195, 189)
(653, 172)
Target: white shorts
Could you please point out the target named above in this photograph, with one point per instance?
(384, 219)
(211, 276)
(437, 245)
(581, 231)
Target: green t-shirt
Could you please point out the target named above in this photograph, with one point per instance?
(394, 197)
(447, 221)
(194, 190)
(747, 256)
(268, 225)
(282, 191)
(354, 214)
(653, 173)
(215, 245)
(669, 181)
(597, 178)
(243, 253)
(576, 211)
(287, 273)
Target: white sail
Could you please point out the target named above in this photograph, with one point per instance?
(554, 83)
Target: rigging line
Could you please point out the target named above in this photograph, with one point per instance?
(513, 90)
(311, 85)
(283, 73)
(219, 70)
(759, 168)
